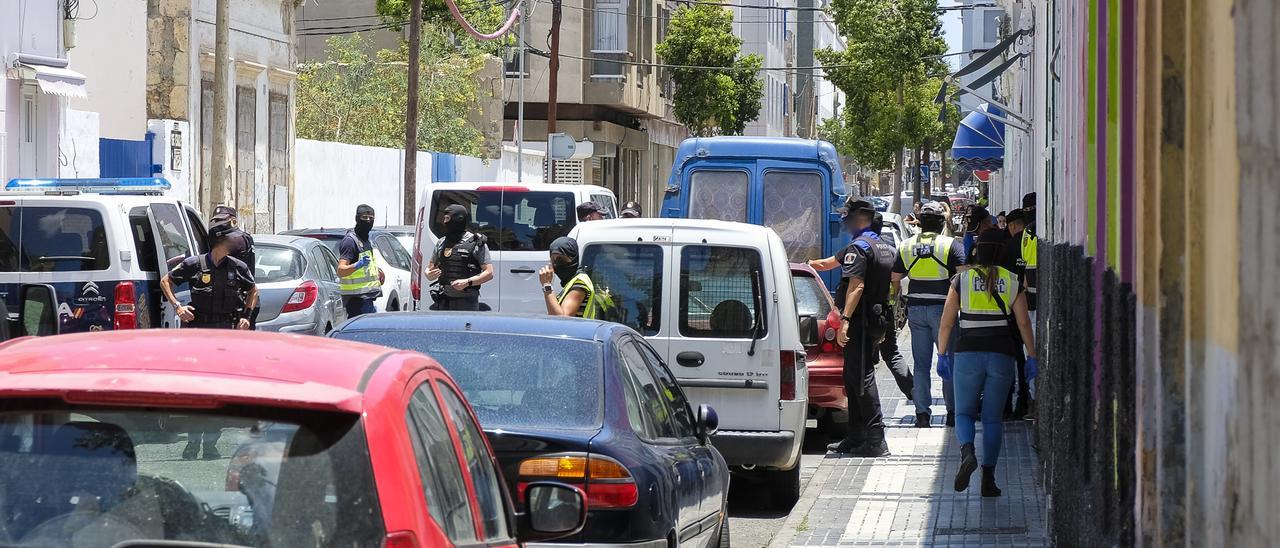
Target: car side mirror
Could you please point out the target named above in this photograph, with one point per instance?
(38, 311)
(808, 331)
(552, 510)
(708, 423)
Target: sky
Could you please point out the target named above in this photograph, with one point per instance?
(951, 31)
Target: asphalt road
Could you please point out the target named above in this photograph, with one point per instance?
(752, 523)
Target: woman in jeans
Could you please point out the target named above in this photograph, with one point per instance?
(992, 310)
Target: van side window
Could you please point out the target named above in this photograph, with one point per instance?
(721, 292)
(608, 203)
(60, 239)
(718, 194)
(793, 207)
(173, 235)
(632, 273)
(144, 242)
(511, 220)
(199, 233)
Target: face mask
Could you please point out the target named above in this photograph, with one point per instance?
(455, 224)
(363, 228)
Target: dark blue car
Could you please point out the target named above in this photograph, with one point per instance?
(584, 402)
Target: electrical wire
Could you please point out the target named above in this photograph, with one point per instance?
(349, 30)
(736, 21)
(689, 67)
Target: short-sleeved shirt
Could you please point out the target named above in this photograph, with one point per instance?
(869, 259)
(349, 248)
(1010, 344)
(955, 259)
(189, 268)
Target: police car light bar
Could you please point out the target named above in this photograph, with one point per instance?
(125, 185)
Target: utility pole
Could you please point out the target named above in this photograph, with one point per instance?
(524, 19)
(553, 85)
(221, 81)
(411, 114)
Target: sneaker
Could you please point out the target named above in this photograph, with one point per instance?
(843, 446)
(871, 449)
(968, 463)
(922, 420)
(191, 451)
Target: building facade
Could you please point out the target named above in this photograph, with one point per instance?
(981, 30)
(768, 29)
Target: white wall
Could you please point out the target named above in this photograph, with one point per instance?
(78, 140)
(331, 179)
(31, 27)
(111, 51)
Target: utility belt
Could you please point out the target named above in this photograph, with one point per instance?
(878, 316)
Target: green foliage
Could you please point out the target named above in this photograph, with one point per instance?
(353, 97)
(711, 102)
(484, 15)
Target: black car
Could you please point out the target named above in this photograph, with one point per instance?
(583, 402)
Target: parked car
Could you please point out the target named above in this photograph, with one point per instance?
(520, 222)
(403, 233)
(820, 319)
(895, 230)
(586, 402)
(716, 300)
(297, 285)
(392, 259)
(379, 447)
(102, 244)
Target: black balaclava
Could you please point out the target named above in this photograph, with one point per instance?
(363, 227)
(568, 247)
(459, 217)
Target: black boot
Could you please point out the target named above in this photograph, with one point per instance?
(989, 488)
(849, 443)
(968, 463)
(951, 420)
(211, 451)
(922, 420)
(192, 450)
(874, 448)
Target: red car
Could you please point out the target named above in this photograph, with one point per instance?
(828, 403)
(360, 445)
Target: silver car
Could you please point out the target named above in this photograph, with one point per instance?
(297, 285)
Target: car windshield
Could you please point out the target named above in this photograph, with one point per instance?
(811, 298)
(79, 476)
(513, 381)
(275, 263)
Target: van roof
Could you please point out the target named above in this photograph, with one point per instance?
(532, 187)
(629, 230)
(756, 147)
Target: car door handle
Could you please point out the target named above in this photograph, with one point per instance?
(523, 271)
(689, 358)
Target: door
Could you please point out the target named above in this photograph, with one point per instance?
(327, 278)
(439, 463)
(722, 350)
(634, 275)
(529, 221)
(720, 192)
(396, 273)
(173, 244)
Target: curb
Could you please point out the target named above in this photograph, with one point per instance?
(800, 511)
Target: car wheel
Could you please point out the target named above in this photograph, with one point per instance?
(393, 306)
(784, 487)
(723, 542)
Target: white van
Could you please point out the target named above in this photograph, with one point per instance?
(716, 299)
(520, 222)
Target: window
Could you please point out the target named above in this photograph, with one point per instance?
(632, 274)
(793, 207)
(513, 381)
(720, 292)
(446, 494)
(278, 161)
(513, 221)
(52, 239)
(720, 195)
(650, 418)
(991, 26)
(325, 263)
(395, 253)
(812, 298)
(172, 233)
(486, 479)
(197, 227)
(611, 42)
(608, 203)
(144, 242)
(277, 264)
(681, 414)
(246, 129)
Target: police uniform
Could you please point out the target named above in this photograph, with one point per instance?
(218, 291)
(463, 260)
(241, 248)
(929, 260)
(871, 259)
(596, 305)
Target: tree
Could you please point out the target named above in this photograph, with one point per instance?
(711, 101)
(890, 74)
(353, 97)
(485, 15)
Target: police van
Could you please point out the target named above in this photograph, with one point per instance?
(102, 244)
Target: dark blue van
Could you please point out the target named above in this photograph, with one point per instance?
(793, 186)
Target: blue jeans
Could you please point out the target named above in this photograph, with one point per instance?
(976, 374)
(924, 319)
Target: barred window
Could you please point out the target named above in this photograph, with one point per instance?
(721, 293)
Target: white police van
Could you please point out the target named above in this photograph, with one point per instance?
(102, 244)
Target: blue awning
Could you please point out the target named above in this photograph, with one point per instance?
(979, 142)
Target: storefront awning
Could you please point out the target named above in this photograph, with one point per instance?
(63, 82)
(979, 141)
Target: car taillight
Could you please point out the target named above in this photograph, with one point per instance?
(415, 283)
(126, 316)
(788, 375)
(401, 539)
(607, 483)
(302, 298)
(828, 344)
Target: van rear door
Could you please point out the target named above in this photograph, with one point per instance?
(173, 244)
(723, 349)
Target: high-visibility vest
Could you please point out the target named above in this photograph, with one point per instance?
(596, 305)
(925, 256)
(362, 280)
(1029, 248)
(983, 313)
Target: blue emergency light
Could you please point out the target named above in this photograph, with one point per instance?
(124, 185)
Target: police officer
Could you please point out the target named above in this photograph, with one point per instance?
(929, 259)
(579, 296)
(1013, 258)
(222, 293)
(241, 246)
(358, 274)
(591, 211)
(630, 210)
(889, 346)
(866, 264)
(460, 262)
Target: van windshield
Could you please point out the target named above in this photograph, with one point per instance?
(52, 239)
(512, 220)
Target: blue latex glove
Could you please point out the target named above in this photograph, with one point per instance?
(363, 262)
(1033, 368)
(944, 366)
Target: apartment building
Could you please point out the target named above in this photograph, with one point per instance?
(768, 29)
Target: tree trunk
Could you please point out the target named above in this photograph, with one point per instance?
(409, 214)
(919, 190)
(896, 202)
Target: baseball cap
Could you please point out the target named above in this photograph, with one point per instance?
(933, 208)
(224, 210)
(630, 209)
(587, 208)
(855, 204)
(976, 215)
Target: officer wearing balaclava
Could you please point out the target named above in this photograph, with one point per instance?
(358, 274)
(460, 262)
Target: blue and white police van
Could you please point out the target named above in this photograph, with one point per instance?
(102, 244)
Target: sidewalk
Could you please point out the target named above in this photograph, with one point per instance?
(907, 499)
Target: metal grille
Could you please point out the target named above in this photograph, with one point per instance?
(720, 292)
